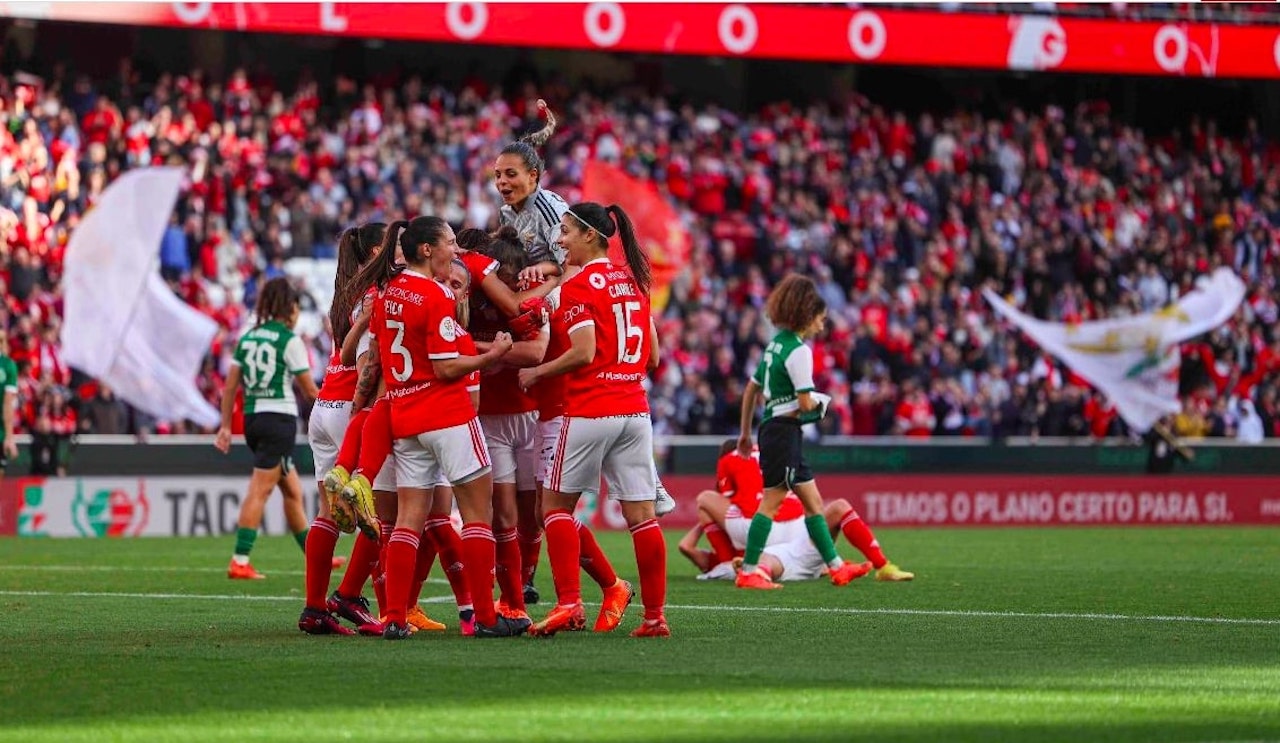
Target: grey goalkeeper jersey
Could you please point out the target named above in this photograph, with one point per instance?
(538, 224)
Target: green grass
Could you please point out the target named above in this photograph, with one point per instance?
(1006, 635)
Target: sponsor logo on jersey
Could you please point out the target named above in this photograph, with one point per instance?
(596, 280)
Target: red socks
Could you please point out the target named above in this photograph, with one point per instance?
(651, 559)
(721, 545)
(375, 440)
(508, 569)
(860, 536)
(402, 558)
(449, 546)
(321, 539)
(363, 556)
(564, 551)
(426, 556)
(592, 558)
(349, 452)
(530, 550)
(478, 548)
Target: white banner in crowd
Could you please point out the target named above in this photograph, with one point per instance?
(1135, 360)
(123, 324)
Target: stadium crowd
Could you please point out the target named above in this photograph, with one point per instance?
(900, 219)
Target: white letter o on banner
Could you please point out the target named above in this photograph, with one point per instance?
(192, 13)
(1177, 60)
(599, 35)
(738, 44)
(461, 27)
(863, 22)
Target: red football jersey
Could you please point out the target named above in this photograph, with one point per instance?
(339, 380)
(739, 479)
(605, 297)
(479, 266)
(414, 324)
(550, 391)
(501, 393)
(467, 347)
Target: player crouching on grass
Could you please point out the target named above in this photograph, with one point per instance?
(725, 517)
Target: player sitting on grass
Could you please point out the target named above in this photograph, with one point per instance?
(725, 517)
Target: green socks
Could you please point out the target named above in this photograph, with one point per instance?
(244, 540)
(757, 538)
(816, 525)
(301, 536)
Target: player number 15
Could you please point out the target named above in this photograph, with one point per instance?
(623, 313)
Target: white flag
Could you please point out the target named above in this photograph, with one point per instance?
(123, 324)
(1135, 360)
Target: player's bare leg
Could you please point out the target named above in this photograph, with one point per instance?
(261, 483)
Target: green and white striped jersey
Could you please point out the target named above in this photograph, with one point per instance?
(785, 371)
(269, 357)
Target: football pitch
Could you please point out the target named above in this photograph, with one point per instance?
(1161, 634)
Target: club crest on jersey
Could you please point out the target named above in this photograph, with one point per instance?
(597, 280)
(448, 330)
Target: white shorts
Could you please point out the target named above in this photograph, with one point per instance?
(548, 439)
(454, 455)
(782, 532)
(513, 441)
(800, 559)
(386, 479)
(619, 448)
(328, 424)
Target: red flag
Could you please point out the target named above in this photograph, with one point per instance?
(662, 236)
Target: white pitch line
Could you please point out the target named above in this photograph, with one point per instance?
(762, 609)
(179, 596)
(154, 569)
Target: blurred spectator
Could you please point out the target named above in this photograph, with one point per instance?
(103, 413)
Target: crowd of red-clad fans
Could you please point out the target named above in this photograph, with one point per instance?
(901, 220)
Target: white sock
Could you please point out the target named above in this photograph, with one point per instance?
(240, 559)
(836, 564)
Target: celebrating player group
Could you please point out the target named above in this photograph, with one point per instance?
(504, 373)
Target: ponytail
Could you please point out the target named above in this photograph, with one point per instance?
(636, 259)
(540, 137)
(354, 249)
(383, 268)
(526, 147)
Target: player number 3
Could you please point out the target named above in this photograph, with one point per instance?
(627, 329)
(397, 347)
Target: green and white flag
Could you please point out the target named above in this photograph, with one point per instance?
(1135, 360)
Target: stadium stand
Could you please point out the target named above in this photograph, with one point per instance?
(900, 217)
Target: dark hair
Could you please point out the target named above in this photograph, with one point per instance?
(794, 303)
(505, 248)
(727, 446)
(412, 236)
(472, 238)
(276, 300)
(608, 220)
(526, 148)
(354, 249)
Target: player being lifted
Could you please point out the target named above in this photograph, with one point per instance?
(784, 379)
